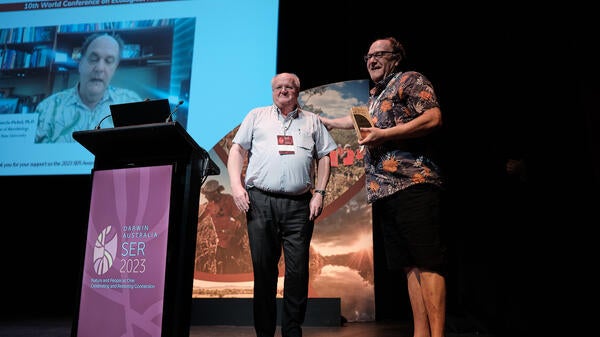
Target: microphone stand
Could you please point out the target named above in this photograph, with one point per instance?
(173, 113)
(102, 120)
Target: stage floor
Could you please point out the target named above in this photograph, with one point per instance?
(62, 328)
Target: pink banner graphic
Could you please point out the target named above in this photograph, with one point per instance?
(125, 257)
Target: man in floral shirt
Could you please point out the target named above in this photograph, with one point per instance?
(403, 182)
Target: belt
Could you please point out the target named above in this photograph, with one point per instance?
(303, 196)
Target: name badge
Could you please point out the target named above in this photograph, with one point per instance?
(285, 144)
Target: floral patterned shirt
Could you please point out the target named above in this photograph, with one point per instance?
(398, 164)
(63, 113)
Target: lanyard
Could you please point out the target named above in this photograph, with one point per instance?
(376, 101)
(290, 118)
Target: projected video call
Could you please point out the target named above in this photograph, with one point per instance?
(60, 77)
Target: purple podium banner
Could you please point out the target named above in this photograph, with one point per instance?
(122, 288)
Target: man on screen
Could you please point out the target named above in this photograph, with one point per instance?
(232, 254)
(84, 106)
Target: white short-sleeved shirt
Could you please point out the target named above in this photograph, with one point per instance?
(268, 169)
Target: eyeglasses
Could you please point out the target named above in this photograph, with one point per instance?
(377, 55)
(286, 87)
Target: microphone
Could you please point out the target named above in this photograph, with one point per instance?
(170, 118)
(102, 120)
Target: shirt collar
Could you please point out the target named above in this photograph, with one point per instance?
(108, 95)
(379, 86)
(293, 114)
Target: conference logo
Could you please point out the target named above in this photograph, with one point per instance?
(105, 249)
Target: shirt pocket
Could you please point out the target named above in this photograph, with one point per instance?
(305, 144)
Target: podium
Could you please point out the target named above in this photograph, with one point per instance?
(139, 250)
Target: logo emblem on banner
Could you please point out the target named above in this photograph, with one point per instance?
(105, 250)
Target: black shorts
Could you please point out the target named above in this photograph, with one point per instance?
(410, 222)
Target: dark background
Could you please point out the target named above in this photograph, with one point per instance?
(511, 82)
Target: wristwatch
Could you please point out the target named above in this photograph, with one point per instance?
(321, 192)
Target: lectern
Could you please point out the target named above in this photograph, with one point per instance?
(139, 251)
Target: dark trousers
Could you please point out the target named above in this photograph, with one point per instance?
(410, 221)
(276, 223)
